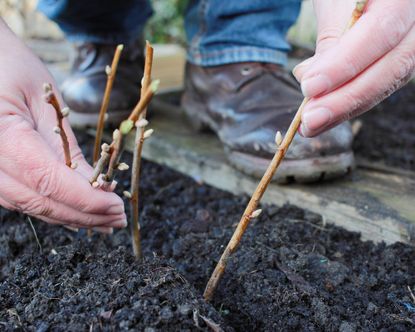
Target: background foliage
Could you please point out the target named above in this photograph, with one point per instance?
(166, 25)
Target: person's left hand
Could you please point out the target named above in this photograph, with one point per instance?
(352, 72)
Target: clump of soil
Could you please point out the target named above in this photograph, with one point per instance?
(92, 285)
(388, 131)
(292, 272)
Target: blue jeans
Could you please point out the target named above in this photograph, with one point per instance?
(218, 31)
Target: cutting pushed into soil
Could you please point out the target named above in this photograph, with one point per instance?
(292, 272)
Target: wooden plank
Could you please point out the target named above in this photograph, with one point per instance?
(379, 205)
(375, 200)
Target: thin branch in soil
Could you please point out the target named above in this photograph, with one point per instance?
(101, 163)
(250, 210)
(111, 72)
(144, 101)
(411, 293)
(138, 148)
(34, 232)
(115, 154)
(51, 99)
(116, 146)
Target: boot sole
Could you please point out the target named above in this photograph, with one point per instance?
(301, 171)
(82, 120)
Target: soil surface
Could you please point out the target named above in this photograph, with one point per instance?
(388, 132)
(292, 272)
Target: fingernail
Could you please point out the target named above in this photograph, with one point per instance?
(123, 223)
(300, 130)
(315, 119)
(296, 73)
(315, 86)
(106, 230)
(115, 209)
(300, 69)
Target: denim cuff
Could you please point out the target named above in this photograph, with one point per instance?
(235, 54)
(113, 38)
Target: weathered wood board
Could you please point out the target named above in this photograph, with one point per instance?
(377, 203)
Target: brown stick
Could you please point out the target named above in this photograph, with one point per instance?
(260, 190)
(144, 100)
(136, 168)
(115, 153)
(50, 98)
(111, 72)
(101, 163)
(357, 13)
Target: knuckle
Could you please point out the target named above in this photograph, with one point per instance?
(327, 37)
(38, 206)
(89, 221)
(43, 180)
(391, 28)
(404, 66)
(353, 104)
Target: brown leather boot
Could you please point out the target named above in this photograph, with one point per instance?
(84, 89)
(245, 104)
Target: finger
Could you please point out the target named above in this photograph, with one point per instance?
(380, 29)
(23, 199)
(302, 67)
(372, 86)
(46, 118)
(104, 230)
(332, 18)
(30, 160)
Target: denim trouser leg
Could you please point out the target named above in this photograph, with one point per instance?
(98, 21)
(229, 31)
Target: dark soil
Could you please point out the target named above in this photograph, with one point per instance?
(291, 272)
(388, 132)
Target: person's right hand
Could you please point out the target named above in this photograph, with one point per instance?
(33, 176)
(353, 71)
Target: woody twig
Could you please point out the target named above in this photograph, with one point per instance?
(138, 148)
(51, 98)
(251, 209)
(111, 72)
(116, 147)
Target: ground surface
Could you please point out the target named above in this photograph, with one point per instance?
(388, 131)
(291, 272)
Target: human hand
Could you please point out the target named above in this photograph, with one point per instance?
(352, 72)
(33, 176)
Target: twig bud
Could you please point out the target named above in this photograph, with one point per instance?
(154, 86)
(106, 116)
(120, 47)
(47, 97)
(74, 165)
(148, 133)
(127, 194)
(123, 167)
(47, 87)
(105, 147)
(141, 123)
(360, 5)
(56, 130)
(278, 138)
(65, 112)
(116, 134)
(108, 70)
(126, 126)
(256, 213)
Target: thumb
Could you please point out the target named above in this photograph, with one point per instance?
(332, 17)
